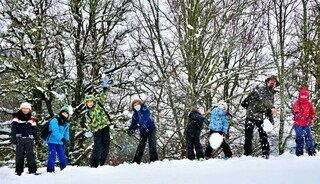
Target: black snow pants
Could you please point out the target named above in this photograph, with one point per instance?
(101, 145)
(25, 147)
(224, 145)
(193, 143)
(249, 127)
(152, 140)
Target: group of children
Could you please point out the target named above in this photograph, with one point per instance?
(218, 124)
(24, 132)
(303, 112)
(24, 136)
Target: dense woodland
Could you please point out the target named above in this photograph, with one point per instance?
(173, 54)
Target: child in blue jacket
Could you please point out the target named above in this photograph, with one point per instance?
(59, 136)
(142, 120)
(219, 124)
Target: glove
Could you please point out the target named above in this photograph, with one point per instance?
(14, 140)
(228, 114)
(105, 80)
(309, 120)
(130, 132)
(88, 134)
(297, 117)
(271, 120)
(65, 142)
(207, 122)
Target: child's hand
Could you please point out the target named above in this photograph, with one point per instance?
(309, 120)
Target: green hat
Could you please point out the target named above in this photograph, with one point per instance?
(89, 97)
(65, 109)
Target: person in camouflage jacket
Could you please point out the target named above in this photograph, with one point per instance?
(99, 122)
(260, 105)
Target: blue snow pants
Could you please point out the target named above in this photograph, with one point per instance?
(53, 151)
(303, 134)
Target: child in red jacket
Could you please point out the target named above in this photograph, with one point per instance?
(303, 116)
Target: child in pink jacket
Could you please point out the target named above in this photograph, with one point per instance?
(303, 115)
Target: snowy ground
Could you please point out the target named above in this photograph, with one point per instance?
(284, 169)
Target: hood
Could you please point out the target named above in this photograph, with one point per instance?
(304, 92)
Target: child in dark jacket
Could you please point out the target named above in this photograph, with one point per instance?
(142, 120)
(24, 133)
(193, 131)
(219, 124)
(59, 137)
(304, 113)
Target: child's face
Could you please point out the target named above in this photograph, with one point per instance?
(201, 110)
(89, 103)
(221, 106)
(303, 96)
(25, 110)
(65, 114)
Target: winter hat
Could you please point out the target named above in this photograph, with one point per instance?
(89, 98)
(200, 109)
(224, 104)
(65, 109)
(134, 102)
(273, 77)
(304, 92)
(25, 105)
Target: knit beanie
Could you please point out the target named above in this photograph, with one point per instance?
(65, 109)
(25, 105)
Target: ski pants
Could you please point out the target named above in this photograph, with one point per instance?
(249, 127)
(224, 145)
(193, 143)
(152, 140)
(101, 145)
(55, 150)
(25, 147)
(303, 134)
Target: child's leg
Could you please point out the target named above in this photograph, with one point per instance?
(209, 149)
(96, 151)
(19, 156)
(61, 156)
(198, 146)
(299, 140)
(52, 153)
(152, 140)
(190, 153)
(309, 141)
(105, 144)
(31, 157)
(140, 149)
(226, 149)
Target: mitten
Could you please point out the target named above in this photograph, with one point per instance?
(309, 120)
(105, 81)
(207, 122)
(297, 117)
(88, 134)
(130, 132)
